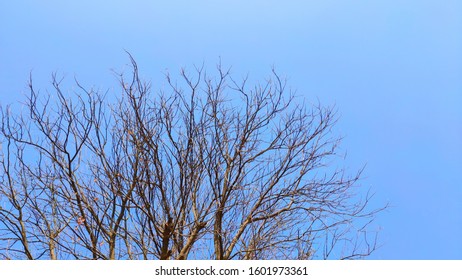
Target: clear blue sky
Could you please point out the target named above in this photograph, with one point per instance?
(393, 68)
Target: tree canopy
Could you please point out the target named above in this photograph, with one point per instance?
(209, 168)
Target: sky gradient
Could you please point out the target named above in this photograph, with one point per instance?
(392, 68)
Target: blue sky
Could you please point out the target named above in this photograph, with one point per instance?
(393, 69)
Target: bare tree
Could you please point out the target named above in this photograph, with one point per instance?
(210, 168)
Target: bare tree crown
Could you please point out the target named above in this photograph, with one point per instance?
(211, 168)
